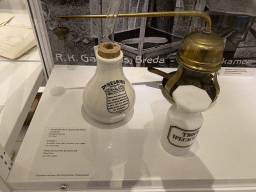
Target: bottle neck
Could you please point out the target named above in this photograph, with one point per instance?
(185, 112)
(110, 66)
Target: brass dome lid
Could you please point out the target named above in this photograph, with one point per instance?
(201, 51)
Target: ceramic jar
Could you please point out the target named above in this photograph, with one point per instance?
(108, 97)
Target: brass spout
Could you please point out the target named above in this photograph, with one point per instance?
(201, 14)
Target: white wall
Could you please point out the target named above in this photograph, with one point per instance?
(13, 6)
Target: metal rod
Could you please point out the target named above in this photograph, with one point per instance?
(201, 14)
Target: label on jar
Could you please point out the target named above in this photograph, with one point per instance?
(181, 137)
(117, 99)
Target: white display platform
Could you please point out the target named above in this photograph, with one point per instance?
(19, 83)
(127, 155)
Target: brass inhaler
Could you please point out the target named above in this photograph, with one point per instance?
(199, 57)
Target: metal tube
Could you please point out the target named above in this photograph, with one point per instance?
(201, 14)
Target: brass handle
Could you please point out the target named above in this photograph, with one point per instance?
(201, 14)
(159, 72)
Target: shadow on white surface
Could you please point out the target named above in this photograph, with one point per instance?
(57, 91)
(100, 125)
(136, 171)
(152, 84)
(119, 159)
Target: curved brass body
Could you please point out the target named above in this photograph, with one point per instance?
(201, 51)
(185, 76)
(208, 82)
(199, 58)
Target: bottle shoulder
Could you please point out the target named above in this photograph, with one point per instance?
(183, 119)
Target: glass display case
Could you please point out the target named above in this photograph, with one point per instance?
(66, 148)
(21, 69)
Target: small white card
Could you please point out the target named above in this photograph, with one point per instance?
(63, 153)
(5, 18)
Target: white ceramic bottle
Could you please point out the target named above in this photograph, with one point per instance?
(184, 119)
(108, 97)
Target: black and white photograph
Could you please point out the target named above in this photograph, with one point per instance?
(151, 41)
